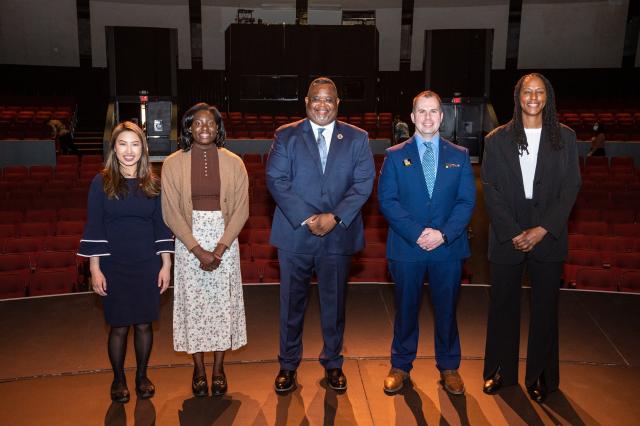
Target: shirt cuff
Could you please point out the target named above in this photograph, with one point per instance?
(90, 248)
(164, 246)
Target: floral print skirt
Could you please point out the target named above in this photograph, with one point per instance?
(208, 307)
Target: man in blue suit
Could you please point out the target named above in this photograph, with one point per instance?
(320, 172)
(427, 194)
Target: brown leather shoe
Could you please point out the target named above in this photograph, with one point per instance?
(452, 382)
(395, 380)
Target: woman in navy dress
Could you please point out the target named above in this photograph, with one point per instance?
(129, 248)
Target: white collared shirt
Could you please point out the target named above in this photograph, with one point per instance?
(328, 132)
(528, 161)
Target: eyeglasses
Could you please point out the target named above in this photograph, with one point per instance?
(318, 99)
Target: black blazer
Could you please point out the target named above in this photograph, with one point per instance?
(555, 187)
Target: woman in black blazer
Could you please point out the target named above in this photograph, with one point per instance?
(530, 177)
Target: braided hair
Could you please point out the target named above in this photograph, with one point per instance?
(550, 122)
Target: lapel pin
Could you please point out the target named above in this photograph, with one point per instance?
(339, 136)
(451, 165)
(406, 162)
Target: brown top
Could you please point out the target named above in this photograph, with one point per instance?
(205, 178)
(176, 195)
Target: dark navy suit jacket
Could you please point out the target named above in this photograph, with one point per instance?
(300, 189)
(405, 202)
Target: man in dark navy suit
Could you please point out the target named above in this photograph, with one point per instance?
(427, 194)
(320, 172)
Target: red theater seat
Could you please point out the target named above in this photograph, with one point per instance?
(13, 284)
(14, 263)
(70, 227)
(588, 228)
(250, 272)
(35, 229)
(264, 251)
(578, 241)
(373, 251)
(270, 270)
(71, 214)
(630, 281)
(62, 243)
(259, 236)
(369, 271)
(45, 282)
(597, 279)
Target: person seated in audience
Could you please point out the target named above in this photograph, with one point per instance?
(63, 137)
(400, 130)
(597, 141)
(129, 248)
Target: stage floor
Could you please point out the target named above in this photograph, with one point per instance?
(54, 368)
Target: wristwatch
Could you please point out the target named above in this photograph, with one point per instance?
(444, 237)
(337, 219)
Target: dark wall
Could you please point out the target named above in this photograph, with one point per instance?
(349, 54)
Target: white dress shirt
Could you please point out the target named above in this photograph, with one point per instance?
(529, 160)
(328, 132)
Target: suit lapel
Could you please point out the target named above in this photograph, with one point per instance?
(510, 151)
(411, 150)
(544, 151)
(310, 141)
(443, 155)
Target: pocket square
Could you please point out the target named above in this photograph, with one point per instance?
(451, 165)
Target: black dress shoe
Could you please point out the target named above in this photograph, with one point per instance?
(219, 385)
(285, 381)
(199, 386)
(538, 392)
(336, 379)
(119, 392)
(492, 384)
(144, 388)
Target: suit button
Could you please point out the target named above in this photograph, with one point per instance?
(537, 182)
(536, 204)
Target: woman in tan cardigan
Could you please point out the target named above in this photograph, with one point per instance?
(205, 203)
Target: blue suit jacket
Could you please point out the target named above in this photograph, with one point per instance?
(300, 189)
(405, 202)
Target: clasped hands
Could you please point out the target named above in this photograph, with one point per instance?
(321, 224)
(209, 260)
(527, 239)
(430, 239)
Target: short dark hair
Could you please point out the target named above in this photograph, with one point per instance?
(186, 138)
(320, 81)
(426, 94)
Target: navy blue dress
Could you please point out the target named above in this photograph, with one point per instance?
(128, 234)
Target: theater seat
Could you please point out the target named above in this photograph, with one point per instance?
(369, 271)
(250, 272)
(630, 281)
(13, 284)
(597, 279)
(270, 270)
(45, 282)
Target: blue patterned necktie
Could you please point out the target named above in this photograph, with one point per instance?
(322, 148)
(429, 166)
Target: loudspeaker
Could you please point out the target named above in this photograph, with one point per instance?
(458, 61)
(158, 118)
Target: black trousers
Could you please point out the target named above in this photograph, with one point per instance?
(503, 328)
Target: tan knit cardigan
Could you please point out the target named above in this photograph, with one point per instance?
(177, 208)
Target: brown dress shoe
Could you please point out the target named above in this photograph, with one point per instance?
(395, 380)
(452, 382)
